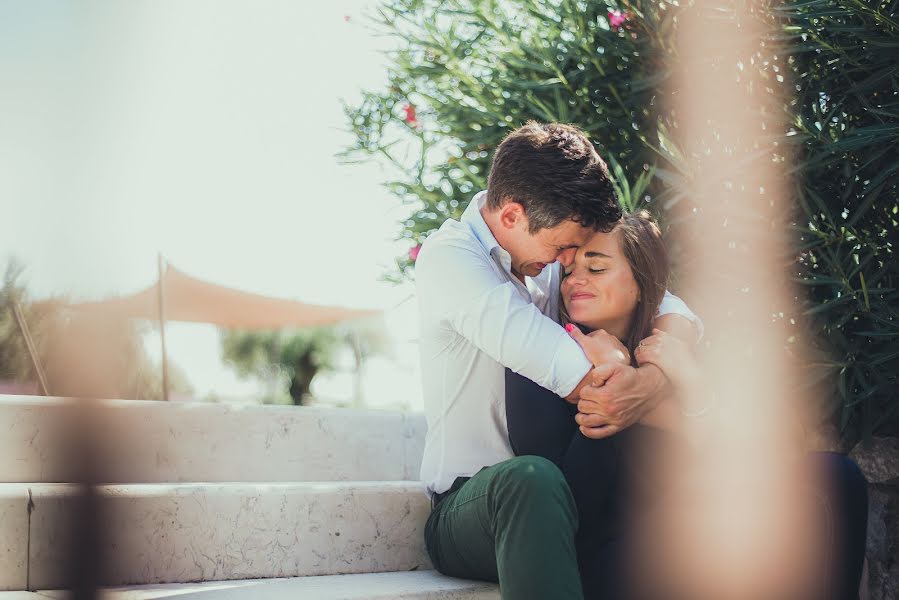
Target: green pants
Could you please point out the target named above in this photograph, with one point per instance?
(512, 523)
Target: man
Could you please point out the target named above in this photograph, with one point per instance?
(488, 301)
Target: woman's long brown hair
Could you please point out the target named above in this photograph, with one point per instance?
(641, 242)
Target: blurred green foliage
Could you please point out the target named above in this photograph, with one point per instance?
(291, 360)
(15, 362)
(288, 360)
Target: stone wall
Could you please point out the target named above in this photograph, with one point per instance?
(879, 461)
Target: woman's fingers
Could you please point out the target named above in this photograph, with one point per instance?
(652, 340)
(646, 349)
(575, 333)
(646, 354)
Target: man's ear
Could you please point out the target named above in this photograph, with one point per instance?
(511, 214)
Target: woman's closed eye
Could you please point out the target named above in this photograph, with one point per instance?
(568, 272)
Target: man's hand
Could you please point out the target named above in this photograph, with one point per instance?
(619, 396)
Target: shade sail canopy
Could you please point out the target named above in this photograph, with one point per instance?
(186, 298)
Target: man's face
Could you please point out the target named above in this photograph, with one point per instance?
(531, 253)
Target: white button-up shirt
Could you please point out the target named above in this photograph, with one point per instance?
(476, 319)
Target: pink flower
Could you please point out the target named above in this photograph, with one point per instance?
(346, 18)
(413, 252)
(410, 117)
(618, 18)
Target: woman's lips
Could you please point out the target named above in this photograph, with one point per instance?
(581, 296)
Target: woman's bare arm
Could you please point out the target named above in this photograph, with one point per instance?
(679, 326)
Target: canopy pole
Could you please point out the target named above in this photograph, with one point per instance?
(165, 367)
(32, 349)
(356, 345)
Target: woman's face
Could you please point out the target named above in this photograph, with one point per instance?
(599, 289)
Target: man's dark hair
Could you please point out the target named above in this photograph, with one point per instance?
(555, 173)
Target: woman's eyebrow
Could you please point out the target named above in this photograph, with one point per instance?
(596, 254)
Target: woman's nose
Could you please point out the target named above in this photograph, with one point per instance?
(575, 277)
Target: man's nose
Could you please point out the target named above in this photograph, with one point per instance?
(566, 257)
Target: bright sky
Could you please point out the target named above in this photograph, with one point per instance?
(205, 130)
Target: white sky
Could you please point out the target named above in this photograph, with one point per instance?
(205, 130)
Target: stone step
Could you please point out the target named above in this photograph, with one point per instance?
(176, 533)
(161, 442)
(411, 585)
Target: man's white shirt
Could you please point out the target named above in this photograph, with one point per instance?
(476, 319)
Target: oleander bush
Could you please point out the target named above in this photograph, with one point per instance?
(466, 72)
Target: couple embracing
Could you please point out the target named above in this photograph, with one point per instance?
(552, 357)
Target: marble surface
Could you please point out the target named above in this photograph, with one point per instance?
(200, 532)
(13, 536)
(53, 534)
(31, 432)
(414, 585)
(159, 442)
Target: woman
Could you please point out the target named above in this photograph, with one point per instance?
(612, 292)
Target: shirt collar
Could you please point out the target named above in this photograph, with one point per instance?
(475, 221)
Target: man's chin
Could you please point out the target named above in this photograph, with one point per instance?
(534, 270)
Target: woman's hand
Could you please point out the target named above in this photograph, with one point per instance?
(600, 346)
(671, 355)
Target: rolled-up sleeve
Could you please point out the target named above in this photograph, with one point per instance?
(488, 310)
